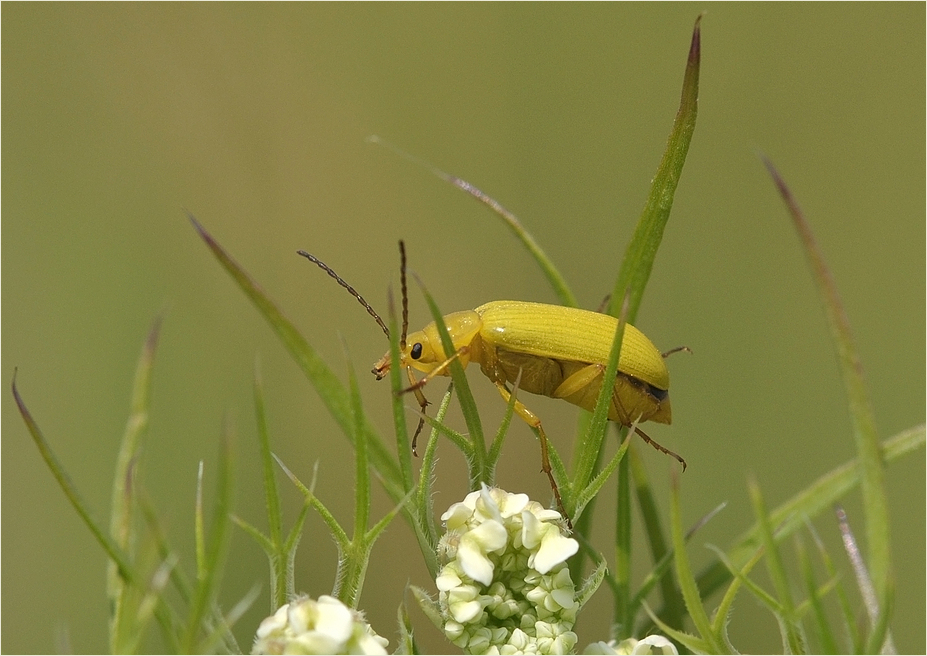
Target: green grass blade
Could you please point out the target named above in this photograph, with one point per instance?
(825, 634)
(553, 275)
(847, 615)
(687, 582)
(340, 537)
(495, 450)
(361, 470)
(875, 502)
(123, 499)
(740, 577)
(586, 498)
(478, 473)
(424, 502)
(406, 632)
(658, 571)
(221, 632)
(817, 497)
(642, 250)
(878, 615)
(199, 525)
(148, 607)
(271, 490)
(786, 613)
(591, 583)
(279, 572)
(166, 553)
(329, 388)
(112, 550)
(623, 618)
(397, 383)
(593, 439)
(673, 604)
(263, 541)
(214, 548)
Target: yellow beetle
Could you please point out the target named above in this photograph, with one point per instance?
(558, 351)
(561, 352)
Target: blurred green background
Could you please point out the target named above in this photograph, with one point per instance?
(252, 116)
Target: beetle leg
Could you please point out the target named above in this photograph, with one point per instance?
(423, 403)
(578, 381)
(535, 422)
(659, 447)
(415, 386)
(440, 370)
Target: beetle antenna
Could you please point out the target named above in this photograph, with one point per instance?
(405, 294)
(353, 292)
(678, 349)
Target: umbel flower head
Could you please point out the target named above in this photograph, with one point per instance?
(652, 644)
(326, 626)
(504, 587)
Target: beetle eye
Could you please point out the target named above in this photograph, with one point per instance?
(416, 351)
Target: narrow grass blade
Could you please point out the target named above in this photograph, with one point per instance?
(825, 634)
(403, 447)
(406, 632)
(623, 618)
(794, 634)
(424, 502)
(123, 498)
(222, 631)
(687, 582)
(553, 275)
(279, 572)
(592, 440)
(673, 604)
(329, 388)
(271, 490)
(215, 546)
(478, 473)
(428, 605)
(361, 471)
(642, 250)
(868, 449)
(112, 550)
(808, 503)
(591, 584)
(847, 614)
(495, 450)
(883, 642)
(338, 534)
(658, 572)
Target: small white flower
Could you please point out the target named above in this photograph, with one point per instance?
(505, 587)
(323, 626)
(652, 644)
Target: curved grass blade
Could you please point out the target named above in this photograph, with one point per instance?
(123, 499)
(211, 552)
(861, 414)
(553, 275)
(817, 497)
(112, 550)
(330, 390)
(478, 472)
(642, 250)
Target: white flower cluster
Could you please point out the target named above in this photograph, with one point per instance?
(326, 626)
(652, 644)
(505, 587)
